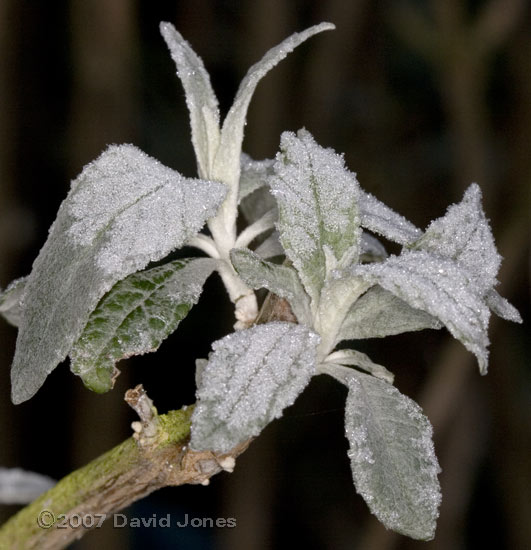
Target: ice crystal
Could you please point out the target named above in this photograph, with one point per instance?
(251, 376)
(124, 210)
(318, 203)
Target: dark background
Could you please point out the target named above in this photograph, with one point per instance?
(423, 97)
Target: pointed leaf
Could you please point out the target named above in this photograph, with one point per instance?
(227, 162)
(440, 287)
(501, 307)
(251, 377)
(200, 98)
(279, 279)
(135, 316)
(381, 219)
(464, 235)
(318, 208)
(124, 211)
(380, 313)
(362, 361)
(11, 301)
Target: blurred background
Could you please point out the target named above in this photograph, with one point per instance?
(423, 97)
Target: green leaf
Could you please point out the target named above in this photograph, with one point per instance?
(123, 211)
(135, 317)
(393, 462)
(251, 377)
(11, 301)
(200, 98)
(280, 279)
(380, 313)
(319, 222)
(441, 287)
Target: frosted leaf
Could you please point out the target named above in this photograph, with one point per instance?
(439, 286)
(362, 361)
(257, 203)
(271, 247)
(200, 98)
(11, 301)
(227, 162)
(501, 307)
(253, 174)
(279, 279)
(123, 211)
(200, 365)
(19, 486)
(371, 249)
(391, 453)
(380, 219)
(135, 316)
(464, 235)
(251, 377)
(380, 313)
(318, 208)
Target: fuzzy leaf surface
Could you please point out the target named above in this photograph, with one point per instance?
(200, 98)
(393, 462)
(379, 218)
(280, 279)
(136, 316)
(123, 211)
(440, 287)
(318, 208)
(11, 301)
(253, 174)
(251, 377)
(380, 313)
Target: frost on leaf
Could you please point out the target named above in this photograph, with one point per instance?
(251, 377)
(11, 301)
(227, 163)
(464, 235)
(318, 208)
(123, 211)
(379, 313)
(501, 307)
(279, 279)
(393, 462)
(253, 175)
(200, 98)
(379, 218)
(440, 287)
(135, 316)
(371, 249)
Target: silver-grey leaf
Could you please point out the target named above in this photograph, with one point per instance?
(200, 98)
(440, 287)
(501, 307)
(393, 462)
(251, 377)
(280, 279)
(11, 301)
(253, 174)
(380, 313)
(464, 235)
(19, 486)
(135, 317)
(318, 208)
(371, 249)
(379, 218)
(123, 211)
